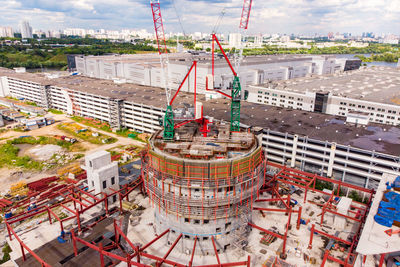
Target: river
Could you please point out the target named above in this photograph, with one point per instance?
(369, 64)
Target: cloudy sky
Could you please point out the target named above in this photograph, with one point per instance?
(268, 16)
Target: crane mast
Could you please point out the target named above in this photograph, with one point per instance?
(163, 52)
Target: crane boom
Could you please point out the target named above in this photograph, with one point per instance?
(236, 89)
(159, 27)
(244, 20)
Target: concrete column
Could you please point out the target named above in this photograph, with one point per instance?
(331, 159)
(294, 151)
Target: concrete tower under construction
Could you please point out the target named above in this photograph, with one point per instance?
(203, 187)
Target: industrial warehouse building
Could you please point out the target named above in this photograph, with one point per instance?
(316, 142)
(373, 93)
(146, 70)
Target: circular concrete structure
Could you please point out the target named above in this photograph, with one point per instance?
(204, 187)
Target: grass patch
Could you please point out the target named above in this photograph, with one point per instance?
(72, 129)
(19, 129)
(78, 156)
(9, 152)
(104, 126)
(9, 157)
(55, 111)
(6, 257)
(42, 140)
(31, 103)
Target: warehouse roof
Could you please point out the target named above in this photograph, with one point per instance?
(202, 58)
(378, 137)
(378, 84)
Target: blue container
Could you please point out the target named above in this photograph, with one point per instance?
(383, 221)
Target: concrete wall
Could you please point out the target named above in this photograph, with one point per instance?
(4, 89)
(379, 112)
(148, 72)
(280, 98)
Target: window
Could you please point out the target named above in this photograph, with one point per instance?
(196, 221)
(114, 198)
(218, 229)
(205, 237)
(187, 237)
(112, 180)
(93, 183)
(104, 184)
(206, 221)
(90, 164)
(187, 220)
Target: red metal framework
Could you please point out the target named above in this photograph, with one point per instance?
(159, 27)
(187, 120)
(215, 40)
(244, 20)
(83, 201)
(308, 181)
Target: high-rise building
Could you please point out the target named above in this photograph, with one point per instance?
(235, 40)
(6, 32)
(26, 29)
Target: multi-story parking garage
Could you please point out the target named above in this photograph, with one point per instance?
(372, 93)
(321, 143)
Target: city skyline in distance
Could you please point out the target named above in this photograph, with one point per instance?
(287, 16)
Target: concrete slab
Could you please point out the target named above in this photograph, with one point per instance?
(373, 238)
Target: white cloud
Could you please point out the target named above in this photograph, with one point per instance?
(285, 16)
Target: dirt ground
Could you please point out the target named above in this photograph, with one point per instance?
(8, 177)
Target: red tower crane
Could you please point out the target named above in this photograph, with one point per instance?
(159, 27)
(244, 20)
(168, 122)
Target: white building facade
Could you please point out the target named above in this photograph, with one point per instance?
(26, 30)
(102, 174)
(253, 71)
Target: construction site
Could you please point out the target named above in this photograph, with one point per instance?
(180, 212)
(202, 193)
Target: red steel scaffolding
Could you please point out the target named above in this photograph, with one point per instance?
(83, 201)
(307, 182)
